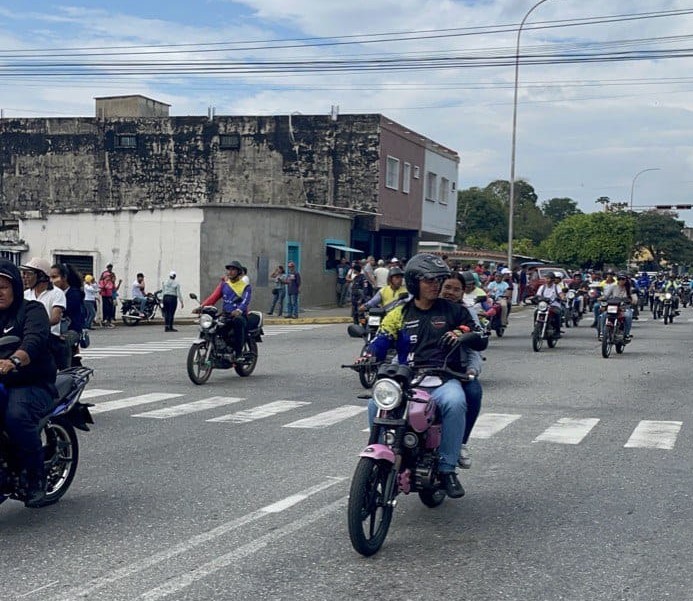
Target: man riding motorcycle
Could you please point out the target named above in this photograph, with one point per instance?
(236, 295)
(622, 290)
(552, 291)
(390, 293)
(499, 291)
(421, 329)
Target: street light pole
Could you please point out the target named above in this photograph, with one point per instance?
(511, 202)
(632, 186)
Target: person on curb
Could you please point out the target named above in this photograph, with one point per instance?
(293, 287)
(27, 380)
(171, 294)
(278, 278)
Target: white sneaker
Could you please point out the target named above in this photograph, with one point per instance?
(465, 458)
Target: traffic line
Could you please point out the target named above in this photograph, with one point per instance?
(327, 418)
(261, 412)
(92, 393)
(568, 430)
(145, 563)
(133, 401)
(187, 408)
(654, 435)
(489, 424)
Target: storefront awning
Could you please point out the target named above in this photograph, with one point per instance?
(345, 249)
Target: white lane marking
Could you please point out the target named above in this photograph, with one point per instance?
(489, 424)
(223, 561)
(654, 435)
(268, 410)
(133, 401)
(112, 352)
(568, 430)
(140, 565)
(187, 408)
(327, 418)
(92, 393)
(41, 588)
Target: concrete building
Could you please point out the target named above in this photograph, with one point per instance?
(152, 193)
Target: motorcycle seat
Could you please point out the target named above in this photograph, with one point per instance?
(254, 320)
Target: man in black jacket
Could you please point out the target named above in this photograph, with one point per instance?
(27, 378)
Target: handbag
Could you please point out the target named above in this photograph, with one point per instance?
(84, 341)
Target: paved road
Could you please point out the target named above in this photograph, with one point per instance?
(581, 485)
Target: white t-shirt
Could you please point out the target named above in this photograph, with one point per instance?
(49, 299)
(381, 276)
(90, 291)
(136, 290)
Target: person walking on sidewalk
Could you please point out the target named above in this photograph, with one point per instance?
(170, 291)
(278, 290)
(293, 286)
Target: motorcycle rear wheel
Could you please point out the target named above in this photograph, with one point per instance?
(368, 514)
(432, 498)
(61, 455)
(620, 347)
(607, 343)
(249, 359)
(552, 342)
(129, 320)
(199, 363)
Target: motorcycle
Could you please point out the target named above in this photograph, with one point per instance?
(210, 350)
(402, 453)
(595, 291)
(130, 309)
(643, 297)
(667, 311)
(573, 313)
(614, 332)
(58, 436)
(685, 296)
(367, 370)
(543, 325)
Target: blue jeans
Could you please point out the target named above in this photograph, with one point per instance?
(473, 392)
(90, 307)
(292, 305)
(278, 299)
(452, 405)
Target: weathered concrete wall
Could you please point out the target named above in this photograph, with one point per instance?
(75, 164)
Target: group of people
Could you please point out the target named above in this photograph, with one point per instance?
(285, 285)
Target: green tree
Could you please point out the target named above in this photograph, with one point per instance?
(481, 219)
(662, 234)
(528, 220)
(557, 209)
(592, 240)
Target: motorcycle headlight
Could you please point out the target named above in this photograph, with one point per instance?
(543, 305)
(206, 321)
(668, 296)
(387, 394)
(571, 294)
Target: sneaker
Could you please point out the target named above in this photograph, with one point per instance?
(465, 458)
(451, 485)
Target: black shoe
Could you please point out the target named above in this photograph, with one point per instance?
(167, 329)
(172, 330)
(35, 494)
(451, 485)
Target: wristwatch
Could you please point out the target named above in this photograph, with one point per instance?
(16, 361)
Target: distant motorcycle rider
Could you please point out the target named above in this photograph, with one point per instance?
(423, 330)
(236, 295)
(553, 293)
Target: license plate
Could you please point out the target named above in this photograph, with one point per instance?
(373, 320)
(612, 309)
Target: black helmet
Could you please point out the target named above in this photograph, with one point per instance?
(234, 265)
(468, 278)
(394, 271)
(421, 266)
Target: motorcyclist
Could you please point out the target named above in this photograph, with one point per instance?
(553, 293)
(672, 285)
(604, 286)
(621, 290)
(581, 289)
(236, 296)
(27, 380)
(423, 331)
(498, 290)
(390, 293)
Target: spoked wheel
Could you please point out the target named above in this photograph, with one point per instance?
(432, 498)
(537, 340)
(61, 455)
(246, 365)
(607, 343)
(369, 515)
(368, 372)
(199, 362)
(131, 318)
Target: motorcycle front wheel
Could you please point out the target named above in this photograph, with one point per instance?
(607, 343)
(248, 361)
(199, 363)
(537, 340)
(369, 514)
(666, 315)
(61, 455)
(367, 373)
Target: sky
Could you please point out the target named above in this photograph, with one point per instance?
(592, 120)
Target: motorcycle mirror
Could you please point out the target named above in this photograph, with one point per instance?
(6, 341)
(193, 296)
(355, 331)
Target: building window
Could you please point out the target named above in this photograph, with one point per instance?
(443, 190)
(392, 173)
(417, 172)
(126, 141)
(406, 177)
(431, 186)
(230, 141)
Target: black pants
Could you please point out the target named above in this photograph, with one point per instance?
(170, 302)
(20, 412)
(61, 350)
(234, 331)
(108, 309)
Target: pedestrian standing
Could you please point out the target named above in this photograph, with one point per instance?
(278, 278)
(342, 284)
(91, 290)
(381, 274)
(293, 286)
(171, 293)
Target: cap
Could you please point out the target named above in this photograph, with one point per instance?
(480, 262)
(234, 265)
(88, 278)
(38, 264)
(505, 271)
(394, 260)
(172, 274)
(6, 273)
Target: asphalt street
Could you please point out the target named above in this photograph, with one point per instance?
(580, 487)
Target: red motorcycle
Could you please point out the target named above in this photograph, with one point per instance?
(614, 332)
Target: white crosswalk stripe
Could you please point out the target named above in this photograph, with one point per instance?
(188, 408)
(654, 435)
(133, 401)
(261, 412)
(92, 393)
(489, 424)
(568, 430)
(327, 418)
